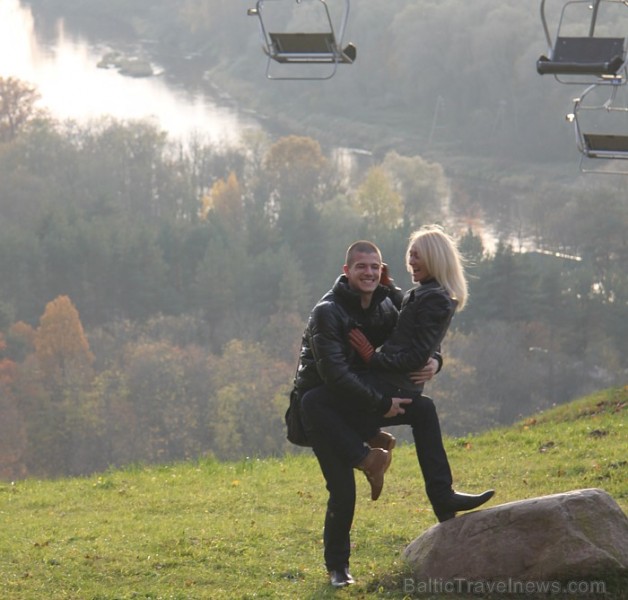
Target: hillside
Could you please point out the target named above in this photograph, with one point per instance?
(250, 529)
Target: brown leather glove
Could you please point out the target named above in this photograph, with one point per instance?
(361, 345)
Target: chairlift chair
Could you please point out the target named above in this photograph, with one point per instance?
(598, 144)
(584, 59)
(305, 48)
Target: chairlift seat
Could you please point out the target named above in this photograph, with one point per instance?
(325, 46)
(584, 56)
(597, 145)
(306, 48)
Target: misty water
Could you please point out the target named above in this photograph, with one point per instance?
(72, 86)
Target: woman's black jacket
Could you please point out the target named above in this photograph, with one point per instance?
(426, 312)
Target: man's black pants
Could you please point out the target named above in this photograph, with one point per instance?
(338, 433)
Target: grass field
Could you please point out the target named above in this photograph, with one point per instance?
(253, 529)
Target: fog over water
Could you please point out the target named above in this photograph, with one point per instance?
(73, 87)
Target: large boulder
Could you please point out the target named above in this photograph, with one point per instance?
(578, 535)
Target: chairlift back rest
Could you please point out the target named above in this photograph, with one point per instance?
(599, 145)
(584, 55)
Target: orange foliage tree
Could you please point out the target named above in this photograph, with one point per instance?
(294, 165)
(61, 347)
(225, 200)
(63, 422)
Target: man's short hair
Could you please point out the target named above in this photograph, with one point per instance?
(361, 246)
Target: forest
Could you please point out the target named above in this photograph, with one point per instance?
(153, 293)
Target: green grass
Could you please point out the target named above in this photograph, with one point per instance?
(253, 529)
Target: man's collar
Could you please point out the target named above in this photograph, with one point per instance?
(344, 291)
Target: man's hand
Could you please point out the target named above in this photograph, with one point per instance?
(361, 345)
(426, 373)
(397, 407)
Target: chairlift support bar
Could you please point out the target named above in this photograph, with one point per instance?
(315, 48)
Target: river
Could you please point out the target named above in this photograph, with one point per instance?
(72, 86)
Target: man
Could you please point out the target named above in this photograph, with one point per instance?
(335, 397)
(326, 358)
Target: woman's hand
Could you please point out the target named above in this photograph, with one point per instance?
(426, 373)
(361, 345)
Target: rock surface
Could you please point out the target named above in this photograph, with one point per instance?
(577, 535)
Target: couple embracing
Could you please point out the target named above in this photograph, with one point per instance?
(366, 354)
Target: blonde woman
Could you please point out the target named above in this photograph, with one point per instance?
(436, 268)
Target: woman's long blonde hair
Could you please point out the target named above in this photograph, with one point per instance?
(442, 259)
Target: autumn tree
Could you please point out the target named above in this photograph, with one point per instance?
(59, 373)
(294, 165)
(17, 106)
(246, 416)
(225, 201)
(163, 410)
(295, 170)
(422, 185)
(378, 201)
(60, 344)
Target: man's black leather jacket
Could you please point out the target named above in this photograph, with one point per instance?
(327, 357)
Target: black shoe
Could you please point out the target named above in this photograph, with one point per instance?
(458, 501)
(340, 577)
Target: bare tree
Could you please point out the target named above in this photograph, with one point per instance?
(17, 106)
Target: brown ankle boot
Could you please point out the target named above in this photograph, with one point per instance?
(384, 440)
(374, 466)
